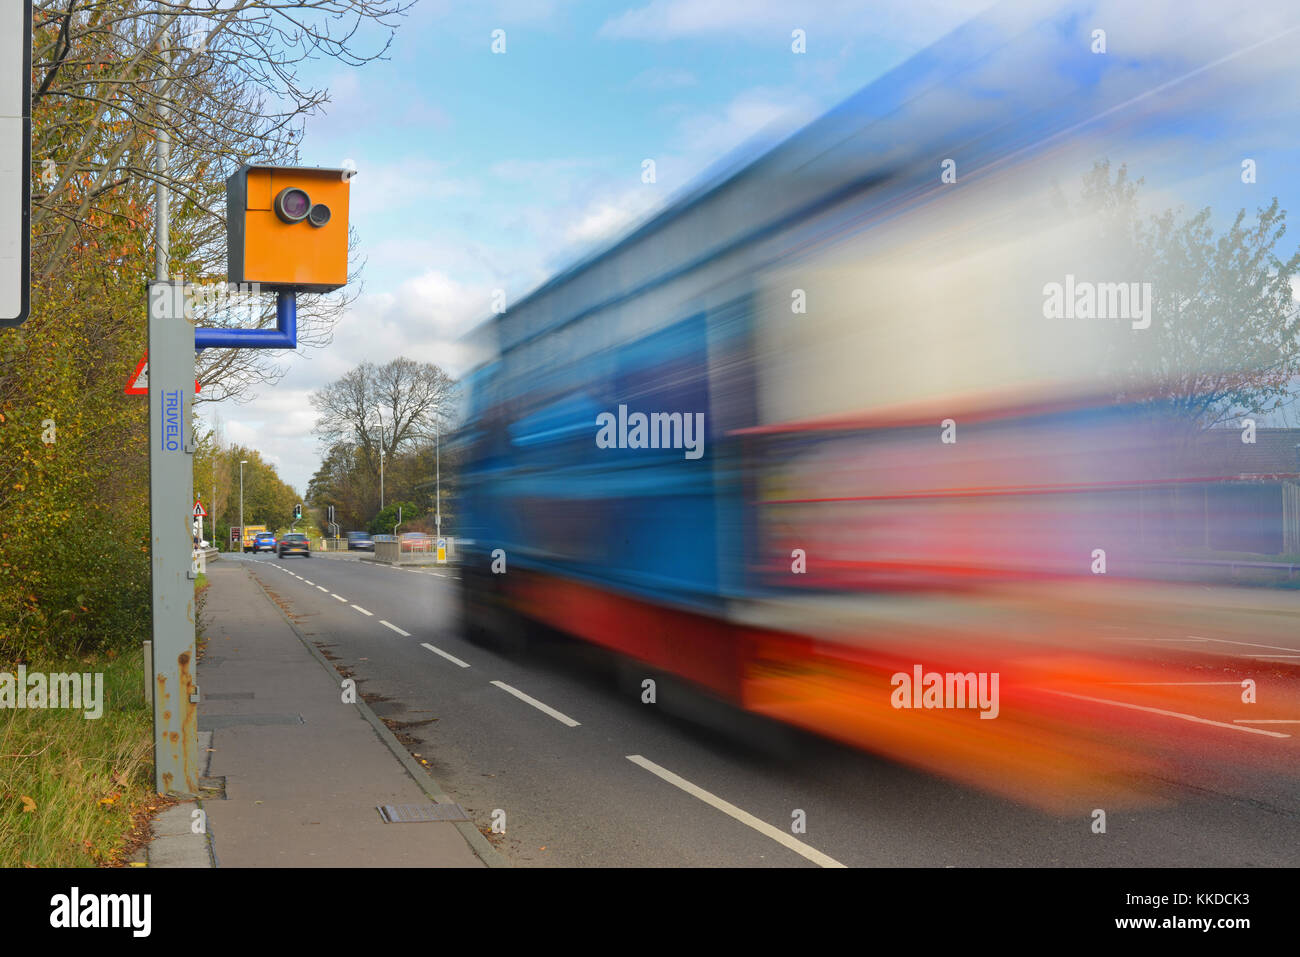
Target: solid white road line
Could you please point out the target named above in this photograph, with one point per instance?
(1252, 644)
(368, 614)
(1125, 638)
(389, 624)
(451, 658)
(557, 715)
(339, 597)
(1170, 714)
(744, 817)
(1163, 684)
(1266, 720)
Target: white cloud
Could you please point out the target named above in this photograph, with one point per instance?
(755, 111)
(397, 184)
(601, 221)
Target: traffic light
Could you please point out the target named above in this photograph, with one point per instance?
(297, 513)
(287, 227)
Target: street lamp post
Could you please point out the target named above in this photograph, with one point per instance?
(437, 464)
(381, 460)
(242, 463)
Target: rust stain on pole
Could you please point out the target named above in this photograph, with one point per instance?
(189, 722)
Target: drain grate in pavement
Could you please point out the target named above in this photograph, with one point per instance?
(420, 813)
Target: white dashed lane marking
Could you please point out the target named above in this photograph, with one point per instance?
(744, 817)
(546, 709)
(452, 658)
(389, 624)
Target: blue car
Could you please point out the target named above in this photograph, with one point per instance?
(264, 542)
(360, 541)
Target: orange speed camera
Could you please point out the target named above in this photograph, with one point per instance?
(287, 227)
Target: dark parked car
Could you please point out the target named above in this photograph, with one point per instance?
(295, 543)
(360, 541)
(264, 542)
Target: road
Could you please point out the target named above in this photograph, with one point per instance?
(588, 775)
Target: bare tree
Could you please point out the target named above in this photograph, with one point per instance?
(411, 399)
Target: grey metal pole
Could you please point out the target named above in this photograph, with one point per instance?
(437, 460)
(162, 197)
(173, 562)
(381, 461)
(242, 463)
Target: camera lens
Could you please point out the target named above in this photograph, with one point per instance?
(319, 214)
(292, 205)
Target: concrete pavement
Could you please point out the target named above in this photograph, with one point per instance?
(304, 772)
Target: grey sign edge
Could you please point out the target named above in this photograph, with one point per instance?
(25, 309)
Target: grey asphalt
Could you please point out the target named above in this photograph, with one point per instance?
(304, 770)
(571, 796)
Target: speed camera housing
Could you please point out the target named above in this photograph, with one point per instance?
(287, 227)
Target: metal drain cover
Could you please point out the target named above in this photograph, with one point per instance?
(420, 813)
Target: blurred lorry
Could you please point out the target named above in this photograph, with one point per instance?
(794, 431)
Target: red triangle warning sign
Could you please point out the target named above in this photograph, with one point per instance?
(138, 383)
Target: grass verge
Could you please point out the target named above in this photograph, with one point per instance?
(78, 791)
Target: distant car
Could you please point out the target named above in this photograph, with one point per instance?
(295, 543)
(360, 541)
(416, 542)
(264, 542)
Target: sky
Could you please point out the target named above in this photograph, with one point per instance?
(480, 171)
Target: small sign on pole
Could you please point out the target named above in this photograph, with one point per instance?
(442, 551)
(138, 383)
(199, 510)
